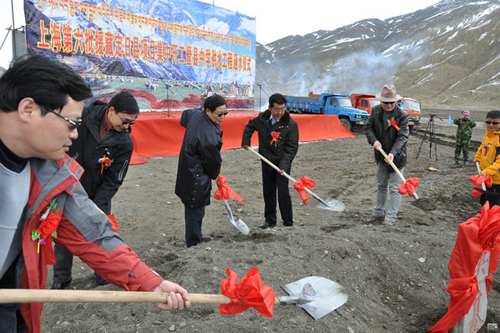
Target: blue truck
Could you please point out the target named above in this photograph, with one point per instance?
(328, 103)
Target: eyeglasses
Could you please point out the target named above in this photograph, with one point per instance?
(220, 115)
(280, 109)
(126, 121)
(74, 123)
(492, 122)
(388, 103)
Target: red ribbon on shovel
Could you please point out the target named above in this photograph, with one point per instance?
(249, 292)
(224, 191)
(409, 184)
(300, 186)
(478, 183)
(409, 187)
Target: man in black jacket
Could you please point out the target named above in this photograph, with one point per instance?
(387, 128)
(199, 163)
(278, 142)
(103, 148)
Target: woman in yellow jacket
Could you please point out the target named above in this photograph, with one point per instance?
(488, 157)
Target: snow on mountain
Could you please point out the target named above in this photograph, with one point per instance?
(446, 55)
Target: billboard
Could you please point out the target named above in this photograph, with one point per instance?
(171, 54)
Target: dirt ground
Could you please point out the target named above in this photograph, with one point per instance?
(395, 277)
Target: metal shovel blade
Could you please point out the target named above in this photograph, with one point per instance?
(236, 221)
(330, 204)
(315, 294)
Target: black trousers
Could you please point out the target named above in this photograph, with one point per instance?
(193, 219)
(11, 320)
(272, 181)
(492, 195)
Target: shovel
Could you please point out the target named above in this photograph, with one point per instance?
(317, 295)
(235, 220)
(328, 204)
(479, 172)
(396, 169)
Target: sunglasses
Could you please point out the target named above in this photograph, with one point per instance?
(74, 124)
(492, 122)
(220, 115)
(388, 103)
(126, 121)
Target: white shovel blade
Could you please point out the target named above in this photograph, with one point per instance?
(238, 223)
(332, 204)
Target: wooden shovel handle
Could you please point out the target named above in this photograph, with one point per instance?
(101, 296)
(278, 169)
(392, 165)
(271, 164)
(478, 168)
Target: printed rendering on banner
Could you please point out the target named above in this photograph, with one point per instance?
(170, 53)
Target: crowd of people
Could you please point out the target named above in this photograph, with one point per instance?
(61, 164)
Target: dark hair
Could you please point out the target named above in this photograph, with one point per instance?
(124, 102)
(494, 114)
(276, 99)
(213, 102)
(46, 80)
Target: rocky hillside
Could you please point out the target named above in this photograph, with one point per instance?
(445, 55)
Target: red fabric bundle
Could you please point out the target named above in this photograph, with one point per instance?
(249, 292)
(476, 236)
(478, 181)
(224, 191)
(300, 186)
(409, 187)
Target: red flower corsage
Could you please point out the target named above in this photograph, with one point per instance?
(48, 226)
(276, 136)
(394, 124)
(105, 163)
(486, 148)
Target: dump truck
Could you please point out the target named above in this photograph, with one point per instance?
(328, 103)
(364, 102)
(413, 108)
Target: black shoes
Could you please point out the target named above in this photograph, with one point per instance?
(267, 225)
(60, 285)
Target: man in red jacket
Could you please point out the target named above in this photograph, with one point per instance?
(41, 103)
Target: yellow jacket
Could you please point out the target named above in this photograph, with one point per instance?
(488, 156)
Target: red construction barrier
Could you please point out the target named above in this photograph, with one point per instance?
(159, 137)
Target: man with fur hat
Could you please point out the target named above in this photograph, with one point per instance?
(387, 128)
(278, 142)
(199, 163)
(464, 134)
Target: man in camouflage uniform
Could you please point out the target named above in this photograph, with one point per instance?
(464, 134)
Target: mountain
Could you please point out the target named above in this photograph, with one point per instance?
(445, 55)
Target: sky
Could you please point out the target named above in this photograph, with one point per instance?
(275, 19)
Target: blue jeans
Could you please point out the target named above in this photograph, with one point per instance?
(387, 187)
